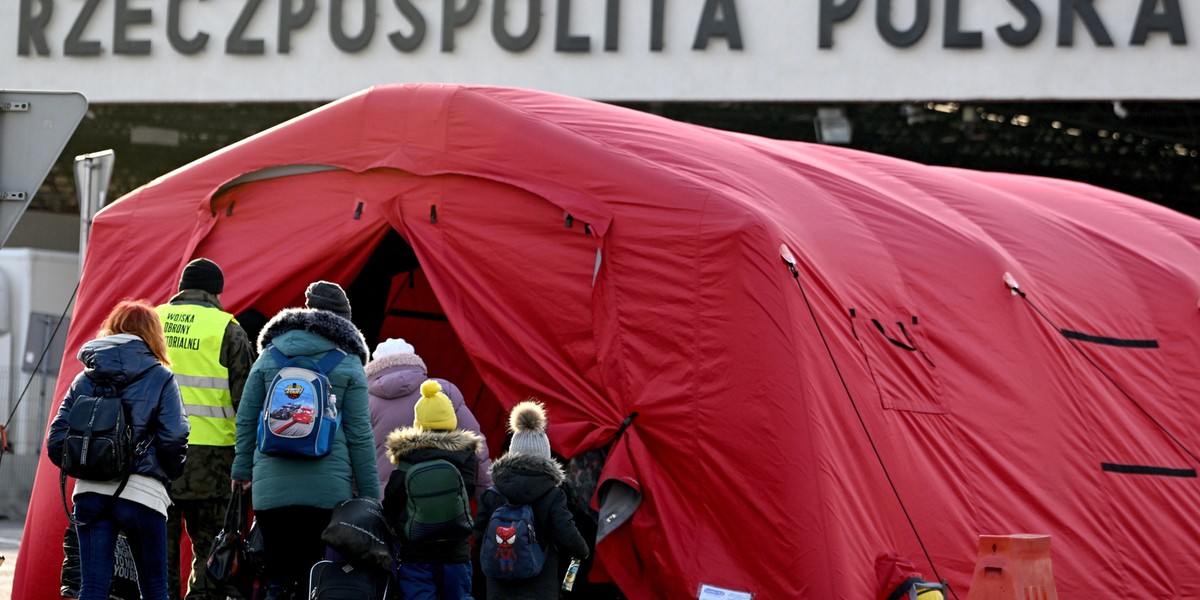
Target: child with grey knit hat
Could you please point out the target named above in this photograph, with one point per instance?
(528, 475)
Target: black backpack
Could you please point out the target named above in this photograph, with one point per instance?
(359, 532)
(340, 580)
(99, 445)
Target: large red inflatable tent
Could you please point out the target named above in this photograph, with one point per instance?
(819, 355)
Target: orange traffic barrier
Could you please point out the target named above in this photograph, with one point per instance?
(1013, 567)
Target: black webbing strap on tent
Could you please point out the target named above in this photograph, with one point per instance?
(895, 342)
(1147, 470)
(621, 430)
(1107, 341)
(1116, 342)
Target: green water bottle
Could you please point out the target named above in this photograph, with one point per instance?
(569, 578)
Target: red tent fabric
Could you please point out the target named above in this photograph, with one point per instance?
(944, 354)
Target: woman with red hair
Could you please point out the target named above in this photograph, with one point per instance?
(129, 358)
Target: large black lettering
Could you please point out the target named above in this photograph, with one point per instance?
(896, 37)
(612, 21)
(1033, 25)
(454, 17)
(337, 31)
(408, 43)
(521, 42)
(175, 38)
(658, 17)
(1149, 19)
(123, 17)
(832, 12)
(1067, 10)
(563, 40)
(292, 19)
(237, 42)
(712, 25)
(953, 37)
(74, 45)
(31, 28)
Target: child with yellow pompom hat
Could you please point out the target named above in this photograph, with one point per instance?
(427, 498)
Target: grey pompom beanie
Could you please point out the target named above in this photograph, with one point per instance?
(528, 424)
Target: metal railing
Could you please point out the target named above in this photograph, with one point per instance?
(25, 431)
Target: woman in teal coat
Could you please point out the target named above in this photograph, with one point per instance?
(293, 497)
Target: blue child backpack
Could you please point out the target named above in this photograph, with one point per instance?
(300, 415)
(510, 547)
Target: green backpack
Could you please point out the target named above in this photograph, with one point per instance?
(438, 507)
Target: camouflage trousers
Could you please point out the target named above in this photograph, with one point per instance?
(203, 519)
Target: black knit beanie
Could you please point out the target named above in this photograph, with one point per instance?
(324, 295)
(202, 274)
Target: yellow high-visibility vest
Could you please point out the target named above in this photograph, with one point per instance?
(194, 335)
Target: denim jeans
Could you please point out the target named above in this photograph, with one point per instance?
(146, 530)
(435, 581)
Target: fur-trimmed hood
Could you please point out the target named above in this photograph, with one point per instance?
(522, 478)
(407, 440)
(340, 331)
(400, 382)
(379, 364)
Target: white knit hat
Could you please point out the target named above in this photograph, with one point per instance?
(528, 424)
(393, 346)
(394, 352)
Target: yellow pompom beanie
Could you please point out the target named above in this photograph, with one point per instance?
(434, 410)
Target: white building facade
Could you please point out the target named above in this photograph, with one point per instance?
(613, 50)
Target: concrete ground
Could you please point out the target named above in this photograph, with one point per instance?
(10, 543)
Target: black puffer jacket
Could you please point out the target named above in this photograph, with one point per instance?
(125, 363)
(536, 481)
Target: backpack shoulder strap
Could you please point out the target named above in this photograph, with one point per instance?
(499, 495)
(279, 357)
(326, 364)
(332, 359)
(112, 500)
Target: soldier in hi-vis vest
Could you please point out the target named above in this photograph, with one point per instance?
(211, 356)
